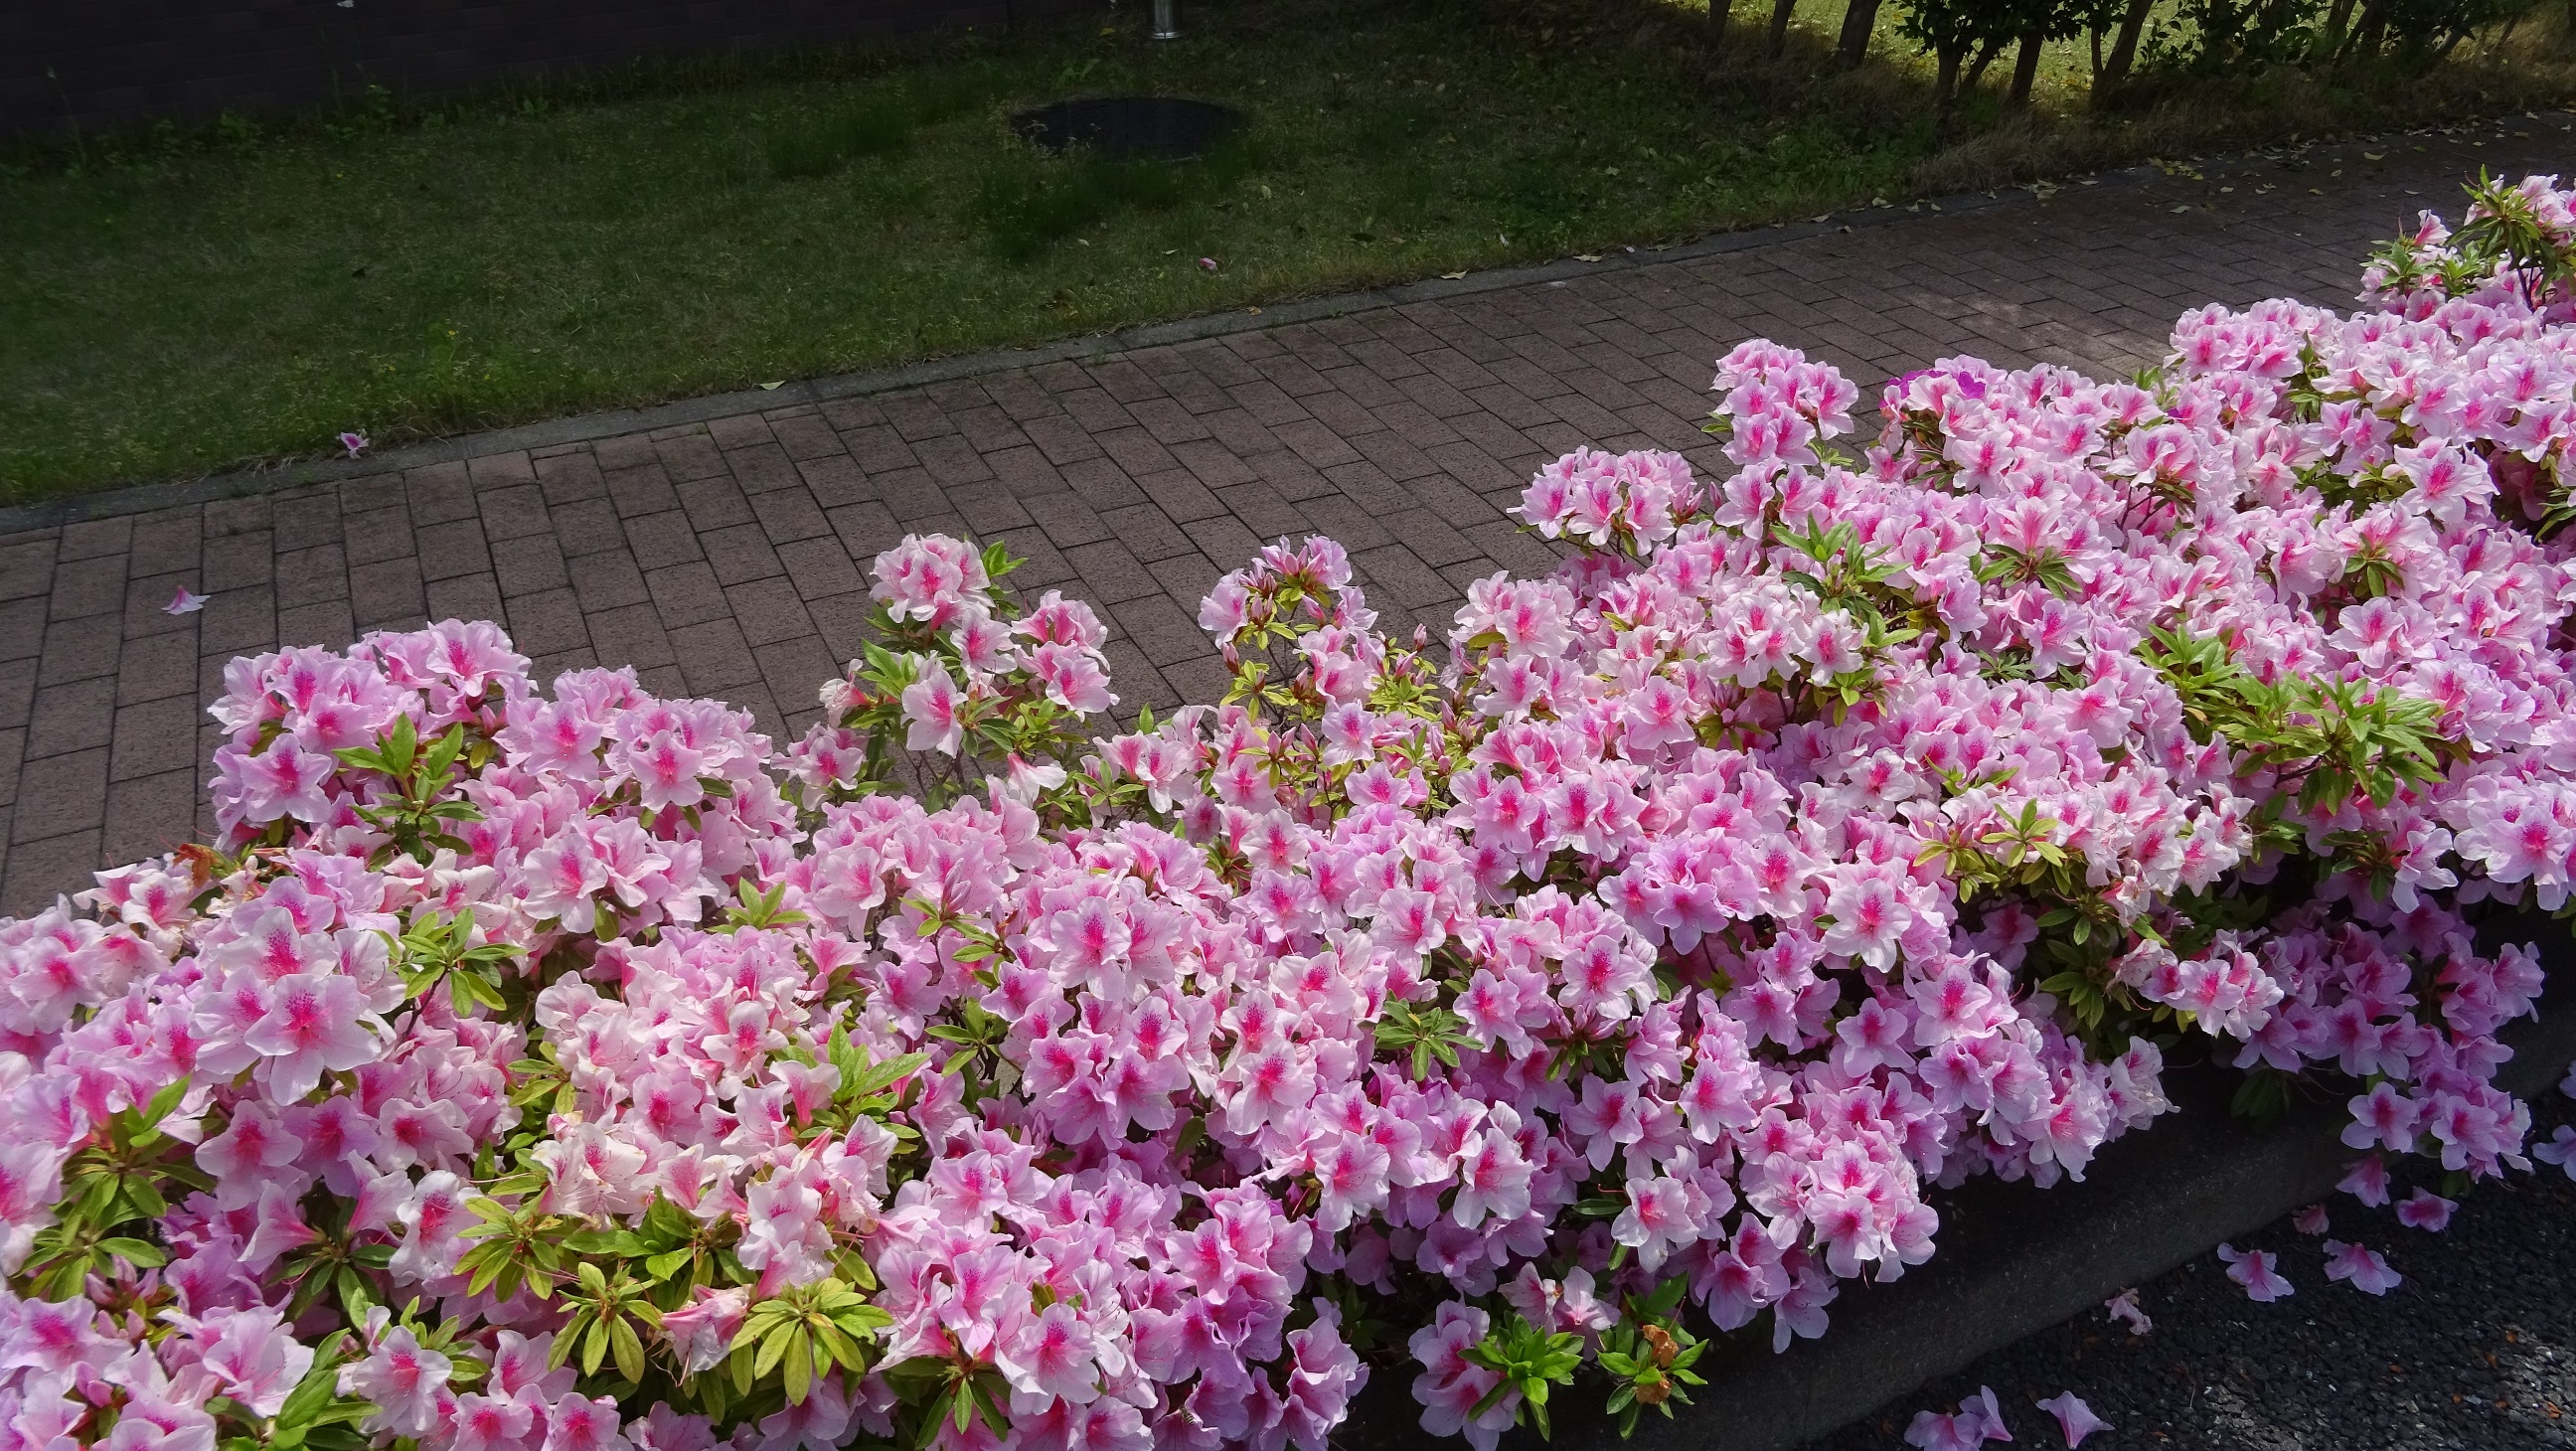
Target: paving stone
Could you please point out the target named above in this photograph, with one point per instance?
(788, 514)
(153, 738)
(303, 577)
(97, 585)
(151, 668)
(689, 456)
(1146, 531)
(61, 794)
(165, 543)
(239, 621)
(440, 493)
(41, 870)
(448, 550)
(644, 489)
(714, 656)
(373, 537)
(72, 717)
(22, 628)
(686, 594)
(465, 597)
(1161, 628)
(629, 635)
(820, 568)
(794, 668)
(866, 530)
(1109, 573)
(530, 565)
(328, 623)
(94, 539)
(515, 512)
(739, 554)
(843, 622)
(769, 611)
(500, 470)
(547, 622)
(26, 569)
(569, 478)
(713, 503)
(607, 582)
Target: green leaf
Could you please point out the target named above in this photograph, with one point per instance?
(164, 1103)
(141, 1255)
(629, 1350)
(799, 1366)
(356, 1295)
(773, 1346)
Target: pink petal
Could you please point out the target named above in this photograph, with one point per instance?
(2075, 1420)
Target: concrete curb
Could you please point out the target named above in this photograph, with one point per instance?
(610, 423)
(2013, 1260)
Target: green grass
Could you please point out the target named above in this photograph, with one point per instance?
(174, 304)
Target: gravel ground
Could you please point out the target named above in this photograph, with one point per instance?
(2476, 1349)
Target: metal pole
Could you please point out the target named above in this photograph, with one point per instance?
(1166, 23)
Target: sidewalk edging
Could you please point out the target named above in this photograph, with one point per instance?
(614, 422)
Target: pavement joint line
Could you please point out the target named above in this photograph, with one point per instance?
(617, 422)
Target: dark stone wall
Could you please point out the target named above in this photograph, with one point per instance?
(103, 64)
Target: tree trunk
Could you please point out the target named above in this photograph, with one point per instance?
(1945, 84)
(2025, 71)
(1977, 68)
(2373, 17)
(2337, 17)
(1858, 23)
(1719, 12)
(1780, 10)
(2124, 50)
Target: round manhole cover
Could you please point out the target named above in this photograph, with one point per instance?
(1130, 128)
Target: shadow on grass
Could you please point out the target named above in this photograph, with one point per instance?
(1028, 201)
(877, 124)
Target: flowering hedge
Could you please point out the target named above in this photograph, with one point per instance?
(569, 1070)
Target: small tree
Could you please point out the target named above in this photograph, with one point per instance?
(1950, 31)
(1780, 13)
(1858, 23)
(2130, 18)
(1965, 36)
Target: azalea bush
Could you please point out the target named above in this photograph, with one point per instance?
(568, 1069)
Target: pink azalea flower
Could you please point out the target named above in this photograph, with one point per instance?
(2560, 1150)
(313, 1023)
(2123, 1307)
(2075, 1420)
(1977, 1421)
(2427, 1211)
(184, 603)
(2367, 1269)
(404, 1380)
(2367, 1180)
(2254, 1270)
(930, 712)
(702, 1331)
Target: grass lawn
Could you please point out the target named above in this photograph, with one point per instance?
(173, 306)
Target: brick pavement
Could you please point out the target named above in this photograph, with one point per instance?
(727, 558)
